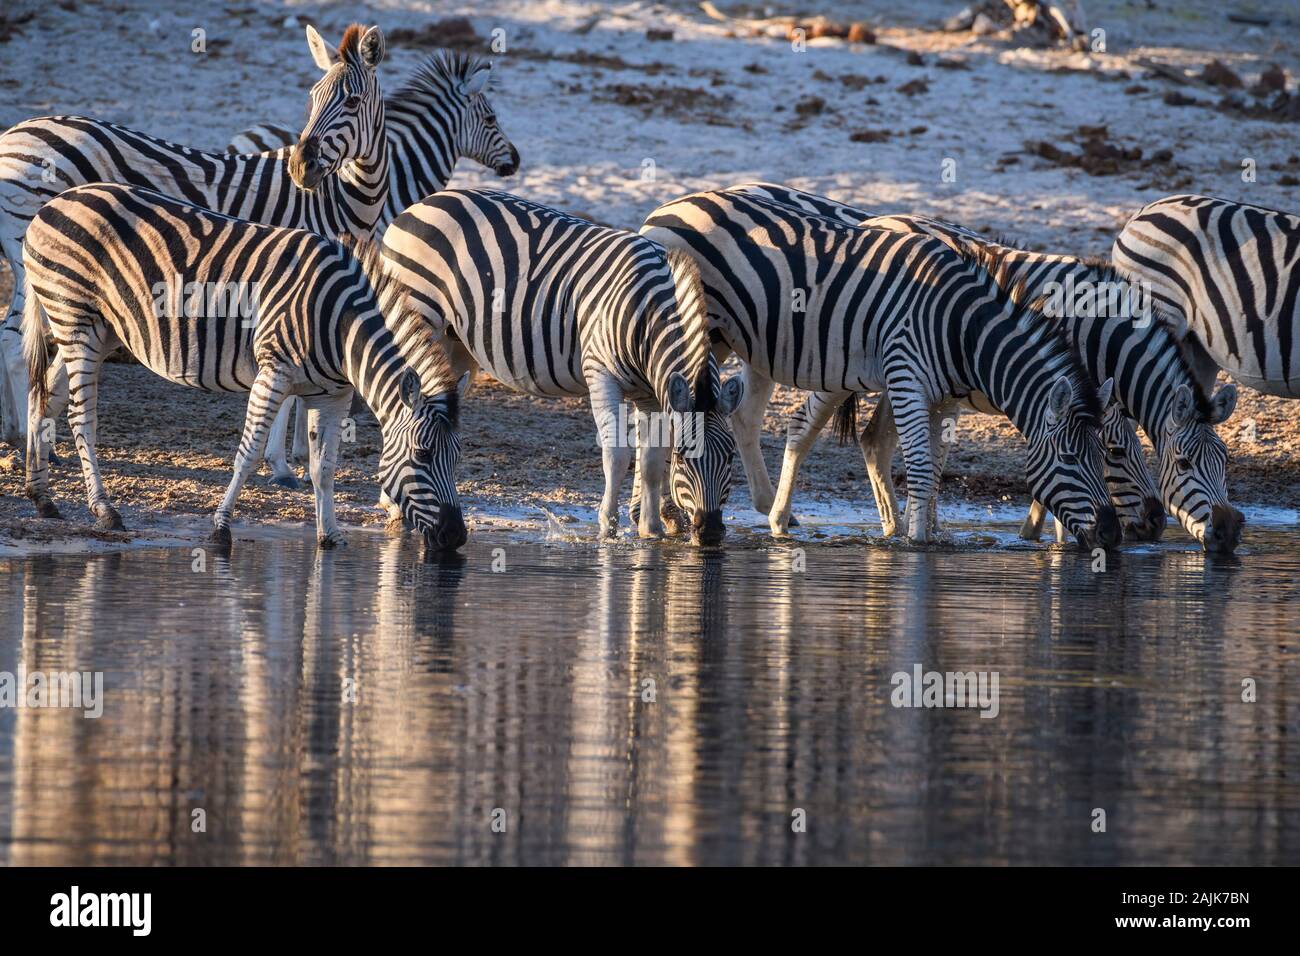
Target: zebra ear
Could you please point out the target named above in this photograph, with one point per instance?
(477, 81)
(409, 391)
(1222, 404)
(733, 390)
(462, 386)
(324, 54)
(372, 47)
(1106, 394)
(1184, 405)
(679, 393)
(1058, 402)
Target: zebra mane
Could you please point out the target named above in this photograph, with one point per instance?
(1166, 325)
(440, 70)
(421, 348)
(688, 290)
(349, 45)
(1040, 329)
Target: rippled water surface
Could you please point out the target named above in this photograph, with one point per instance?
(653, 704)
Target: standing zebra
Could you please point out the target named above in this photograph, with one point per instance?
(1230, 272)
(333, 182)
(440, 114)
(815, 304)
(221, 304)
(554, 306)
(1154, 385)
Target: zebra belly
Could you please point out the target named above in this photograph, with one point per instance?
(216, 355)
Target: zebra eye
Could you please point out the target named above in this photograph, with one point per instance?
(424, 456)
(1070, 459)
(489, 120)
(1185, 463)
(352, 102)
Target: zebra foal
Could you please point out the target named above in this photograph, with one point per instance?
(101, 267)
(553, 306)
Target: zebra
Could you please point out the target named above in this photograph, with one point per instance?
(553, 306)
(1155, 385)
(816, 304)
(110, 264)
(441, 113)
(1228, 272)
(333, 181)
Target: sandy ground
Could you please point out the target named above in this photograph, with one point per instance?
(610, 123)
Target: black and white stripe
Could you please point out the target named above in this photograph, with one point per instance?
(555, 306)
(812, 303)
(1229, 271)
(334, 181)
(111, 265)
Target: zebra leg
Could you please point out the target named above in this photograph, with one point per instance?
(40, 437)
(912, 417)
(1032, 528)
(324, 427)
(651, 461)
(616, 455)
(282, 475)
(939, 453)
(270, 389)
(13, 369)
(1061, 533)
(83, 419)
(879, 440)
(747, 426)
(805, 426)
(301, 445)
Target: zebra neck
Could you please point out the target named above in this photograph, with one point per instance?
(349, 202)
(1144, 361)
(423, 151)
(372, 362)
(1017, 378)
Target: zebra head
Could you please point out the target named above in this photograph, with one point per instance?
(1132, 491)
(1066, 470)
(346, 112)
(417, 468)
(1193, 468)
(479, 136)
(703, 449)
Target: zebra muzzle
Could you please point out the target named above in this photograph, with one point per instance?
(1106, 533)
(1224, 533)
(510, 166)
(1152, 525)
(450, 532)
(707, 528)
(306, 166)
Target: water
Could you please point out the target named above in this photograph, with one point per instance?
(526, 691)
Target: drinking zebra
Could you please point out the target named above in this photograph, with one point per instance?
(553, 306)
(441, 113)
(815, 304)
(1116, 338)
(333, 181)
(1228, 271)
(110, 265)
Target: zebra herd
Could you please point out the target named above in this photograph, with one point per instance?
(375, 281)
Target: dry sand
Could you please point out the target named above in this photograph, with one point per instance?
(592, 106)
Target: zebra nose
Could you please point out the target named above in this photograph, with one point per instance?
(450, 532)
(510, 167)
(1224, 535)
(707, 527)
(1152, 525)
(1109, 532)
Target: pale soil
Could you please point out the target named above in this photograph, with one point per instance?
(587, 110)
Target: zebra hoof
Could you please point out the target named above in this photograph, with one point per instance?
(46, 508)
(794, 522)
(397, 525)
(221, 540)
(110, 520)
(53, 459)
(329, 542)
(288, 482)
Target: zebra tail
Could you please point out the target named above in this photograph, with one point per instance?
(845, 424)
(35, 349)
